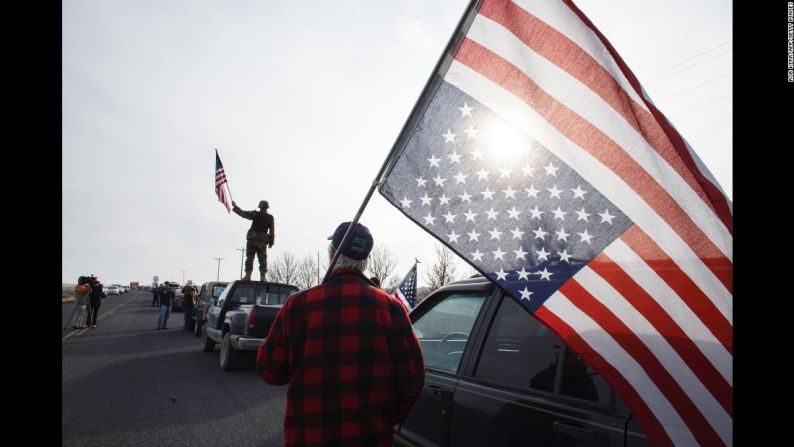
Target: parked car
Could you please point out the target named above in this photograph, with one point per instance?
(206, 298)
(497, 376)
(240, 320)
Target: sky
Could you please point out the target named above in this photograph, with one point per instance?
(303, 101)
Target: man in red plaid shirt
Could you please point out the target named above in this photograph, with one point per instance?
(348, 352)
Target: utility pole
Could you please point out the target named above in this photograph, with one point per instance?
(242, 255)
(183, 277)
(218, 278)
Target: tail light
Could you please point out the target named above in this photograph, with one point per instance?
(252, 317)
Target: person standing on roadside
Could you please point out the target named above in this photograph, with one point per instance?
(188, 296)
(156, 295)
(348, 352)
(82, 292)
(94, 301)
(166, 295)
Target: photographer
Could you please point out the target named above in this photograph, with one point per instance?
(188, 296)
(94, 301)
(166, 295)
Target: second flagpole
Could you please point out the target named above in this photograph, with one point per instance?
(432, 82)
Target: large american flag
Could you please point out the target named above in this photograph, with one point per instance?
(536, 156)
(406, 291)
(220, 184)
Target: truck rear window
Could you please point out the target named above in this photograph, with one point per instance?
(261, 294)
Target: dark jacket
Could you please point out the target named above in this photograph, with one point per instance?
(165, 296)
(97, 293)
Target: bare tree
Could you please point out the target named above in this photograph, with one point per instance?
(284, 269)
(422, 293)
(470, 272)
(381, 264)
(307, 272)
(391, 283)
(443, 270)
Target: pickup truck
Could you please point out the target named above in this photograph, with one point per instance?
(241, 318)
(489, 363)
(207, 297)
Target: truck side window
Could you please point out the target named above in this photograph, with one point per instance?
(580, 380)
(444, 329)
(222, 298)
(519, 351)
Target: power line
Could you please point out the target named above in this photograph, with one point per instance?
(701, 105)
(689, 59)
(686, 68)
(693, 88)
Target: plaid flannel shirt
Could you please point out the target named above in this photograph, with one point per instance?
(352, 361)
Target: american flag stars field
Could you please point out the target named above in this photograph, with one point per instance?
(500, 199)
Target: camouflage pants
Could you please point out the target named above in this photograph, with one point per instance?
(259, 248)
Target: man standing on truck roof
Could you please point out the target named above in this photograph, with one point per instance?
(259, 238)
(348, 352)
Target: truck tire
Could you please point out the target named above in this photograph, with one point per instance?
(229, 358)
(209, 345)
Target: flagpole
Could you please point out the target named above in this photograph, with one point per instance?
(227, 177)
(433, 81)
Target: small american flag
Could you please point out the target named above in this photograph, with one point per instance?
(406, 292)
(535, 155)
(220, 184)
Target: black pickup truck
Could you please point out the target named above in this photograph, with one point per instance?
(241, 318)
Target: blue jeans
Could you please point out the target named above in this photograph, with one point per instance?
(188, 310)
(162, 320)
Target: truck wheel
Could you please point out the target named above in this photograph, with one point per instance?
(229, 356)
(197, 328)
(209, 345)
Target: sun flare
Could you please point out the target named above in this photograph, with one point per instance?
(504, 142)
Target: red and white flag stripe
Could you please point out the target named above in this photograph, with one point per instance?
(398, 295)
(220, 189)
(653, 312)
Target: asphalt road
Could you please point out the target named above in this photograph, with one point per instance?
(127, 384)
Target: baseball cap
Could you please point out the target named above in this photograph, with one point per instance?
(360, 243)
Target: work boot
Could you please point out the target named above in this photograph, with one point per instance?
(262, 274)
(247, 276)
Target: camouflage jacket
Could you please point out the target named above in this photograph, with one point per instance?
(263, 227)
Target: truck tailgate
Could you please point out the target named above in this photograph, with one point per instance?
(264, 316)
